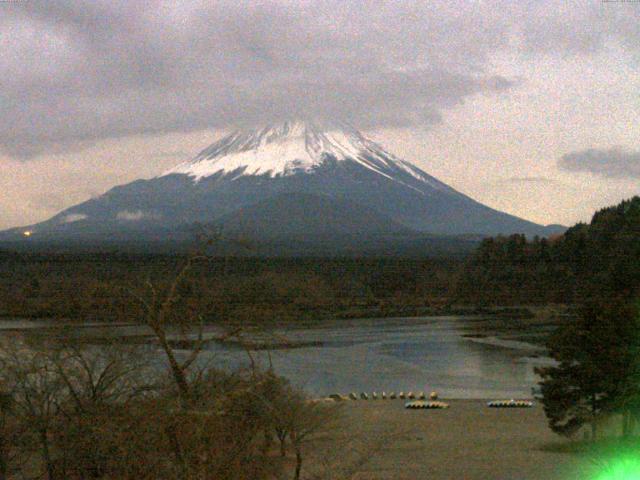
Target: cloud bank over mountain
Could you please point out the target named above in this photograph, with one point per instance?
(613, 163)
(76, 71)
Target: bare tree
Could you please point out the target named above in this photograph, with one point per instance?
(37, 394)
(305, 421)
(161, 312)
(11, 437)
(98, 381)
(61, 392)
(159, 316)
(95, 376)
(6, 403)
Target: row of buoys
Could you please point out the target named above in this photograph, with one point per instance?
(385, 396)
(418, 404)
(420, 400)
(510, 404)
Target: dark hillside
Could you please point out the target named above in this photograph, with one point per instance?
(602, 255)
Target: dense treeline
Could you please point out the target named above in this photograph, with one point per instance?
(104, 286)
(503, 271)
(587, 259)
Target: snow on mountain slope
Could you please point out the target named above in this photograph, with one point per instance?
(296, 147)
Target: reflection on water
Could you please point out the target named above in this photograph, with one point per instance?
(410, 354)
(397, 355)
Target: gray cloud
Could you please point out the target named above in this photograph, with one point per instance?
(612, 163)
(530, 180)
(135, 216)
(74, 217)
(173, 154)
(75, 71)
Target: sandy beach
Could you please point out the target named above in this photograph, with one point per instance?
(467, 441)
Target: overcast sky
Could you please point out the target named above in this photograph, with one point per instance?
(531, 107)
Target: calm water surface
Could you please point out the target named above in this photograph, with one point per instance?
(392, 354)
(410, 354)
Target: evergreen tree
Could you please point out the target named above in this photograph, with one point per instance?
(510, 270)
(597, 367)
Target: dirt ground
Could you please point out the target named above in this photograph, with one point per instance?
(467, 441)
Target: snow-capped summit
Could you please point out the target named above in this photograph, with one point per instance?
(293, 180)
(277, 150)
(294, 147)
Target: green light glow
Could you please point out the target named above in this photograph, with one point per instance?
(621, 469)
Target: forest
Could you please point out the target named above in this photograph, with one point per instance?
(503, 271)
(102, 287)
(589, 259)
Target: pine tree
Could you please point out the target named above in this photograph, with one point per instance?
(597, 370)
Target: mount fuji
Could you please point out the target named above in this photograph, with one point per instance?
(293, 181)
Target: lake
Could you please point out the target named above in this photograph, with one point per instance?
(400, 354)
(457, 356)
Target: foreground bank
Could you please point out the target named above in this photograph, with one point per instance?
(467, 441)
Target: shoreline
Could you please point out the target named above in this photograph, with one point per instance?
(518, 335)
(345, 401)
(522, 312)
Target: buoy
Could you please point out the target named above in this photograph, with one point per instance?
(336, 397)
(510, 404)
(418, 404)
